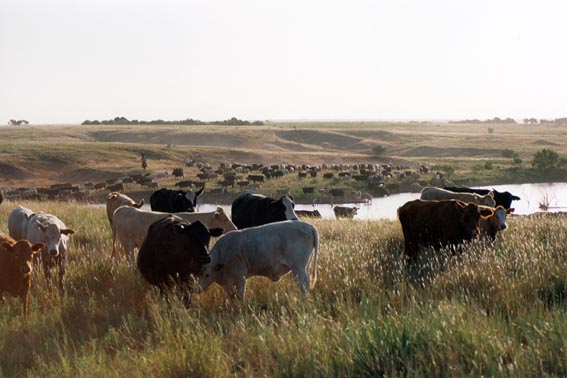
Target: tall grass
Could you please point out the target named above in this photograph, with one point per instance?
(493, 311)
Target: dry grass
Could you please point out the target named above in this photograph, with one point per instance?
(491, 311)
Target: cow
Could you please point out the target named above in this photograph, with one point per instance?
(177, 172)
(338, 193)
(114, 200)
(118, 187)
(437, 194)
(345, 212)
(18, 222)
(16, 259)
(50, 230)
(249, 210)
(438, 224)
(1, 196)
(174, 201)
(172, 252)
(500, 198)
(308, 213)
(270, 250)
(491, 225)
(131, 225)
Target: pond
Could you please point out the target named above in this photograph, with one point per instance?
(553, 194)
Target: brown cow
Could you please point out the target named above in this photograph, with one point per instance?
(16, 267)
(490, 226)
(439, 223)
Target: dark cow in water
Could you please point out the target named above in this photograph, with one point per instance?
(308, 213)
(174, 201)
(172, 251)
(501, 198)
(249, 210)
(439, 223)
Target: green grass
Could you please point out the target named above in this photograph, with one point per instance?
(491, 311)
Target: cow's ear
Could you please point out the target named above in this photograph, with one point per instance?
(510, 211)
(139, 204)
(218, 267)
(41, 226)
(216, 214)
(486, 212)
(515, 198)
(67, 232)
(7, 246)
(216, 231)
(198, 192)
(36, 248)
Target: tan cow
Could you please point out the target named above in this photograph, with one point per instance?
(438, 194)
(16, 267)
(114, 200)
(130, 225)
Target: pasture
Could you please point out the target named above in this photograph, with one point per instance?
(491, 311)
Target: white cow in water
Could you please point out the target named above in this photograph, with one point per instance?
(50, 230)
(271, 250)
(437, 194)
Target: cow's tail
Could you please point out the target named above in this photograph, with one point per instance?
(313, 261)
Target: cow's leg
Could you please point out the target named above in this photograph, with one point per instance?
(241, 287)
(302, 278)
(62, 267)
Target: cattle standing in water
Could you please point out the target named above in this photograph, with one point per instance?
(18, 222)
(50, 230)
(115, 200)
(438, 224)
(173, 251)
(438, 194)
(131, 225)
(174, 201)
(345, 212)
(501, 198)
(249, 210)
(16, 259)
(271, 251)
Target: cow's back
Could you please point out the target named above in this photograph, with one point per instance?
(245, 210)
(18, 222)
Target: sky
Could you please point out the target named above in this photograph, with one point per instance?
(68, 61)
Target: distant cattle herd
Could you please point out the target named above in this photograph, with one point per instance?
(263, 238)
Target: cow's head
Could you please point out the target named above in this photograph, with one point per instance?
(221, 220)
(54, 236)
(189, 199)
(283, 209)
(22, 254)
(470, 217)
(195, 238)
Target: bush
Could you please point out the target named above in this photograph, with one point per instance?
(378, 150)
(547, 159)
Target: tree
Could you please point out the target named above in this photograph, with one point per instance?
(547, 159)
(378, 150)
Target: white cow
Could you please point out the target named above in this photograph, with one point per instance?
(114, 200)
(50, 230)
(438, 194)
(270, 250)
(130, 225)
(18, 222)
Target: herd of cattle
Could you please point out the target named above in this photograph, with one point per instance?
(263, 238)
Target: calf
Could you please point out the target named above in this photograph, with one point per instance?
(345, 212)
(173, 251)
(439, 223)
(50, 230)
(18, 222)
(131, 225)
(438, 194)
(16, 268)
(491, 225)
(271, 251)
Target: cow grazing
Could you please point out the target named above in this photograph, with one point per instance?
(308, 213)
(16, 259)
(115, 200)
(439, 223)
(174, 201)
(18, 222)
(438, 194)
(271, 251)
(131, 225)
(249, 210)
(345, 212)
(173, 251)
(50, 230)
(500, 198)
(491, 225)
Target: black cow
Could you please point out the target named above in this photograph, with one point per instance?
(174, 201)
(172, 251)
(501, 198)
(249, 210)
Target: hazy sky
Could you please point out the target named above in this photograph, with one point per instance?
(67, 61)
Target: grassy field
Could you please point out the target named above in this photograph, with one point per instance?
(41, 155)
(489, 312)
